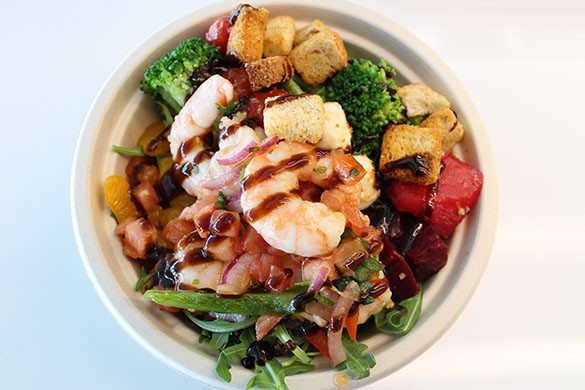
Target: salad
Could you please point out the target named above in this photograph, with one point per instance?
(289, 196)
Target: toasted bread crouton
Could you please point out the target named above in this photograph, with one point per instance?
(269, 71)
(319, 57)
(451, 129)
(246, 40)
(336, 130)
(411, 153)
(316, 26)
(279, 36)
(295, 117)
(421, 100)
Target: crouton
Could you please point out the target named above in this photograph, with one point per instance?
(246, 40)
(269, 71)
(319, 57)
(336, 131)
(411, 153)
(295, 117)
(279, 36)
(421, 100)
(316, 26)
(451, 129)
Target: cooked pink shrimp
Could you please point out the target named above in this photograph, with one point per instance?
(199, 112)
(274, 209)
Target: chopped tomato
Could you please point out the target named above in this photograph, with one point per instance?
(146, 195)
(177, 229)
(351, 324)
(219, 33)
(239, 79)
(347, 168)
(138, 170)
(457, 192)
(318, 339)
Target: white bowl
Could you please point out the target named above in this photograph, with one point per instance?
(121, 112)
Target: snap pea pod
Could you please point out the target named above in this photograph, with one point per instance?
(249, 304)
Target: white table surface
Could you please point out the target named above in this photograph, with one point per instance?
(523, 63)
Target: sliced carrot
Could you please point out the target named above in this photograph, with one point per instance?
(117, 196)
(351, 324)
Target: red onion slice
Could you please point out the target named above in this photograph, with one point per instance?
(338, 317)
(265, 324)
(239, 156)
(320, 278)
(217, 183)
(268, 142)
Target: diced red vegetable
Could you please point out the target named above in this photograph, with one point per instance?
(239, 79)
(139, 171)
(177, 229)
(255, 104)
(457, 192)
(139, 237)
(351, 324)
(146, 195)
(219, 33)
(400, 277)
(427, 254)
(318, 339)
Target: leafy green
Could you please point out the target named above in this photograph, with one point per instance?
(137, 151)
(402, 317)
(247, 304)
(293, 87)
(221, 201)
(272, 374)
(282, 334)
(357, 363)
(168, 80)
(368, 94)
(218, 341)
(144, 278)
(233, 354)
(229, 108)
(221, 326)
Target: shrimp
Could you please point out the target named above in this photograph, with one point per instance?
(274, 209)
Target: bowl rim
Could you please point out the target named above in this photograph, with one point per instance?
(100, 276)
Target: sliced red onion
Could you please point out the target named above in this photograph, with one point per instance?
(239, 156)
(268, 142)
(217, 183)
(236, 277)
(338, 317)
(320, 278)
(265, 324)
(234, 203)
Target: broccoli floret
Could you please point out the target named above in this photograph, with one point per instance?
(168, 80)
(367, 93)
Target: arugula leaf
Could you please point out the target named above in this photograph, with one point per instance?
(144, 278)
(220, 326)
(356, 362)
(401, 318)
(272, 374)
(282, 334)
(229, 108)
(218, 341)
(233, 354)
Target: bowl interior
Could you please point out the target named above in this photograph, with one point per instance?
(121, 112)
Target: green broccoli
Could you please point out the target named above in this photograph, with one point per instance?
(168, 80)
(367, 93)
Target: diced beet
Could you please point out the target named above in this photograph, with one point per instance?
(385, 217)
(400, 277)
(427, 254)
(459, 188)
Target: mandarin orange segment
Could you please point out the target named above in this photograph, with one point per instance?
(117, 195)
(153, 142)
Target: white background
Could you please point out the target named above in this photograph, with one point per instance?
(522, 62)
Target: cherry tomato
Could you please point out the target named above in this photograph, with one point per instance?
(218, 33)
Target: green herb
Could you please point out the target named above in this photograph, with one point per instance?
(401, 318)
(320, 169)
(354, 172)
(272, 374)
(416, 120)
(243, 173)
(221, 201)
(137, 151)
(347, 234)
(218, 341)
(365, 269)
(144, 278)
(325, 300)
(304, 283)
(195, 281)
(253, 149)
(233, 354)
(195, 169)
(282, 334)
(221, 326)
(247, 304)
(356, 362)
(204, 336)
(228, 109)
(114, 216)
(342, 282)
